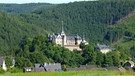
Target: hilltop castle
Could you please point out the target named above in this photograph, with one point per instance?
(70, 42)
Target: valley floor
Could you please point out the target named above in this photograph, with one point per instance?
(75, 73)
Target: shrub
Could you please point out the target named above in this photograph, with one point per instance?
(14, 70)
(2, 71)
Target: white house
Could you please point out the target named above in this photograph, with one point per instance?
(103, 48)
(3, 64)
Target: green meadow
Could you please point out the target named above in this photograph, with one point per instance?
(73, 73)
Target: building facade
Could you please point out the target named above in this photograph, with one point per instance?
(103, 48)
(70, 42)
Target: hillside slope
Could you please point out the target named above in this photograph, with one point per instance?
(23, 8)
(128, 42)
(12, 30)
(91, 18)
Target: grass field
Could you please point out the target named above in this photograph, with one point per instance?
(74, 73)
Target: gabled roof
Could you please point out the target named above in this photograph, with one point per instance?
(38, 65)
(73, 37)
(70, 37)
(76, 69)
(58, 35)
(103, 47)
(53, 67)
(78, 37)
(89, 66)
(131, 62)
(112, 68)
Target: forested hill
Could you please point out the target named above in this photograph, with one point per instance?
(128, 42)
(13, 29)
(21, 34)
(91, 18)
(23, 8)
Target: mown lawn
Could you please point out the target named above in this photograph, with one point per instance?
(74, 73)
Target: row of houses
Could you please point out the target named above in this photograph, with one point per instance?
(51, 67)
(127, 66)
(46, 67)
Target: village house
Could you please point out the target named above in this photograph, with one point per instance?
(3, 64)
(46, 67)
(85, 67)
(129, 64)
(70, 42)
(103, 48)
(94, 67)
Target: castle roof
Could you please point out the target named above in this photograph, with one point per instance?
(57, 35)
(70, 38)
(73, 37)
(103, 47)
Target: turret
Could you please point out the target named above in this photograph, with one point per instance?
(83, 40)
(62, 30)
(63, 35)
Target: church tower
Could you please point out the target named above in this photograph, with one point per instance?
(83, 40)
(63, 35)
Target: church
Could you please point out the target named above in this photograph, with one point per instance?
(70, 42)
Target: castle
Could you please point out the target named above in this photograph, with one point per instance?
(70, 42)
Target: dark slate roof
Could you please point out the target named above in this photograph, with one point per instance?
(89, 66)
(40, 69)
(131, 62)
(76, 69)
(102, 47)
(70, 37)
(112, 68)
(85, 67)
(37, 65)
(53, 67)
(58, 35)
(78, 37)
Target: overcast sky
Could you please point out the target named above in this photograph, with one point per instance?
(38, 1)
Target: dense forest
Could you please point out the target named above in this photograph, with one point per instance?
(91, 18)
(12, 30)
(24, 8)
(24, 35)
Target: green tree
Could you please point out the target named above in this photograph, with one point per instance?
(116, 58)
(99, 58)
(8, 62)
(23, 62)
(2, 71)
(88, 54)
(108, 61)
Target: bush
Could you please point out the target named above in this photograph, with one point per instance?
(14, 70)
(2, 71)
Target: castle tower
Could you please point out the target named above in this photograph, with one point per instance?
(63, 35)
(62, 29)
(83, 40)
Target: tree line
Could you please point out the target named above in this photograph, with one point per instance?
(39, 50)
